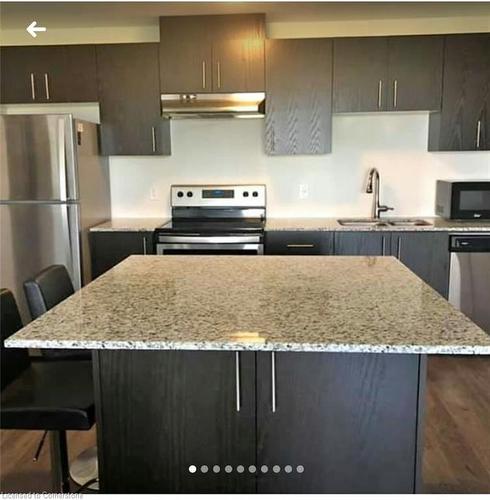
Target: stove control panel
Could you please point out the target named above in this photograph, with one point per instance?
(240, 195)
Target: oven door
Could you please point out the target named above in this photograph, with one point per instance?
(209, 245)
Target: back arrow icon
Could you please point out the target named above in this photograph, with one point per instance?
(33, 28)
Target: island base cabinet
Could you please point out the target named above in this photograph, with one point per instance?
(161, 412)
(349, 422)
(285, 422)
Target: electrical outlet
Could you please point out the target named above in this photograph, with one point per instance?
(303, 191)
(153, 194)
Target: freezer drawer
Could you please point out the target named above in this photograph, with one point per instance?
(32, 237)
(37, 158)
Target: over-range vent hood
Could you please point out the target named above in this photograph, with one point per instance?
(233, 105)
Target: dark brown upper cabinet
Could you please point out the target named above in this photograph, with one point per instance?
(128, 85)
(360, 74)
(298, 117)
(415, 73)
(387, 73)
(201, 54)
(57, 73)
(463, 123)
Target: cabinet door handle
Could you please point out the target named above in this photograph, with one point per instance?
(380, 93)
(273, 381)
(204, 74)
(300, 245)
(383, 245)
(46, 85)
(153, 140)
(478, 134)
(395, 93)
(33, 87)
(237, 380)
(144, 245)
(399, 250)
(218, 69)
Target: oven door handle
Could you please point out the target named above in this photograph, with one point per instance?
(162, 248)
(211, 240)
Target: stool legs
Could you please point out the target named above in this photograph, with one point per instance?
(60, 471)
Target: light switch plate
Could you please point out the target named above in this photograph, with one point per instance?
(153, 194)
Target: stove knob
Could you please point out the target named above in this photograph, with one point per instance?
(189, 194)
(255, 194)
(180, 194)
(245, 193)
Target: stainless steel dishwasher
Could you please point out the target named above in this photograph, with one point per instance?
(469, 278)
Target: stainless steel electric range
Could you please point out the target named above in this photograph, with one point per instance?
(219, 219)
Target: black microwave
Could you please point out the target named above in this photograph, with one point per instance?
(468, 200)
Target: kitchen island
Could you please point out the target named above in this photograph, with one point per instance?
(258, 374)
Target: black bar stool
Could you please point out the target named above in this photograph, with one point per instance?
(43, 395)
(46, 290)
(50, 287)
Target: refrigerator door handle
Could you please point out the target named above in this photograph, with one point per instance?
(71, 227)
(62, 159)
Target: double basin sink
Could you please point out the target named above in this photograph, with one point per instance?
(383, 222)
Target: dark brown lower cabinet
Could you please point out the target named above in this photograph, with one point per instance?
(299, 243)
(348, 421)
(160, 412)
(109, 248)
(309, 423)
(426, 254)
(362, 243)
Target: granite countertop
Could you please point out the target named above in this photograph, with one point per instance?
(305, 303)
(130, 224)
(331, 224)
(302, 224)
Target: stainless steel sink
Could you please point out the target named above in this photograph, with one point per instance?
(366, 222)
(362, 222)
(408, 222)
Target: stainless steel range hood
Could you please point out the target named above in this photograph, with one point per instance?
(233, 105)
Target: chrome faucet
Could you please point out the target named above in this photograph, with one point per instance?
(372, 186)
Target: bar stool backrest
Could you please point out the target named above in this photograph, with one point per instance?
(14, 361)
(50, 287)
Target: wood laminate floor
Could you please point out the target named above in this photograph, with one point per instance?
(457, 434)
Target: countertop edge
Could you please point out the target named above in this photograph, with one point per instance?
(243, 346)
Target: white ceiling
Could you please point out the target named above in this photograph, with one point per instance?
(16, 15)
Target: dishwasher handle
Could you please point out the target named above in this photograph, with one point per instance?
(469, 243)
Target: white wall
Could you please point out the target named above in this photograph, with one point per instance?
(221, 151)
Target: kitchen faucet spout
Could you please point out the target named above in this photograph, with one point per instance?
(372, 187)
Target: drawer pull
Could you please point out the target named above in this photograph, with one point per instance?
(300, 245)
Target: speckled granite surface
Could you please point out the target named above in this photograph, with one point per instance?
(304, 224)
(136, 224)
(331, 224)
(337, 304)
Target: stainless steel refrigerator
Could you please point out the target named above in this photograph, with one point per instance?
(54, 186)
